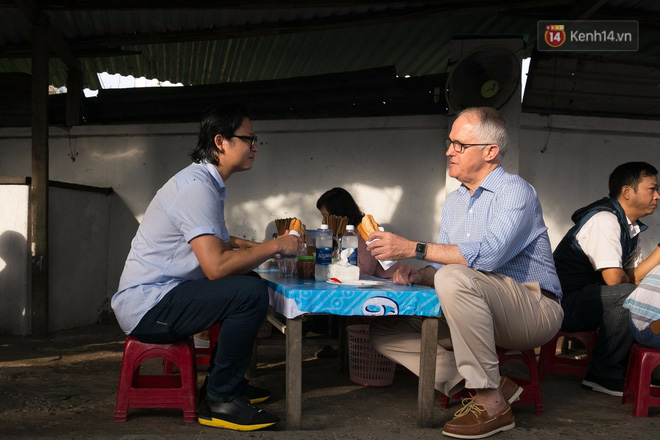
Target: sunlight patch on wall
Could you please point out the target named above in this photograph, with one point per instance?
(381, 202)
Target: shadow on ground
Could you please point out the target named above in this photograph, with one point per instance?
(64, 387)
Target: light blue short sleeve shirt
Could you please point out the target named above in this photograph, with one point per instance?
(190, 204)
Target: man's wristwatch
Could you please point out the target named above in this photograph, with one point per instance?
(420, 250)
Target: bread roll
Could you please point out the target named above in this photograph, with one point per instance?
(296, 225)
(367, 226)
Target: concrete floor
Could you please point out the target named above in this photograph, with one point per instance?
(64, 387)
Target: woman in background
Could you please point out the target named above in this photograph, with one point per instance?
(338, 201)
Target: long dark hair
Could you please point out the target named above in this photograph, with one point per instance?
(338, 201)
(222, 119)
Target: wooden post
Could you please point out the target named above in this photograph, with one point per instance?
(38, 212)
(294, 373)
(427, 360)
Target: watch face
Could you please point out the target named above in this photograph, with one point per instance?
(420, 248)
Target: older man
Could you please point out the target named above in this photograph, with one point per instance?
(493, 271)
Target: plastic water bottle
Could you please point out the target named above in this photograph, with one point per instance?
(323, 252)
(350, 241)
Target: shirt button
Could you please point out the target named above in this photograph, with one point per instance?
(468, 234)
(470, 211)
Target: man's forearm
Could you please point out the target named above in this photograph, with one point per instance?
(444, 254)
(638, 274)
(240, 243)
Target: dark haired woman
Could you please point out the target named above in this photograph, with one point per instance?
(338, 201)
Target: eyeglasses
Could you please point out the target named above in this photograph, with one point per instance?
(253, 139)
(460, 147)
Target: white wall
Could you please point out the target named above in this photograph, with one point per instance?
(78, 256)
(14, 261)
(568, 159)
(394, 166)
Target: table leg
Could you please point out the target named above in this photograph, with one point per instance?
(426, 392)
(294, 373)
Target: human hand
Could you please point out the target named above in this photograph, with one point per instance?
(406, 275)
(388, 246)
(289, 245)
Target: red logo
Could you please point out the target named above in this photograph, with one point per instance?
(555, 35)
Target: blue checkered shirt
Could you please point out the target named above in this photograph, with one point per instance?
(500, 228)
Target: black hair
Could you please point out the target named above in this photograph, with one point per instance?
(629, 174)
(223, 119)
(338, 201)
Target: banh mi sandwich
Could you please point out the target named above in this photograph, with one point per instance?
(367, 226)
(296, 225)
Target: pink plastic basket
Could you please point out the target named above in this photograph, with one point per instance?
(367, 366)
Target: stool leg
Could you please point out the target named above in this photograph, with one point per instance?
(632, 375)
(548, 352)
(642, 387)
(124, 388)
(444, 400)
(535, 381)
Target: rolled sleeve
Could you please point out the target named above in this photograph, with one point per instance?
(197, 211)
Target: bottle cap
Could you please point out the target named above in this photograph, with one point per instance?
(350, 228)
(324, 227)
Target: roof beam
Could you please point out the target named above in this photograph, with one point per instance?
(131, 5)
(36, 16)
(83, 46)
(584, 9)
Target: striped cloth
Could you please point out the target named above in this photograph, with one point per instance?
(644, 302)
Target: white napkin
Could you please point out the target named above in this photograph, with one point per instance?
(343, 257)
(385, 264)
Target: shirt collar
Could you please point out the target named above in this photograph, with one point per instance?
(490, 182)
(633, 228)
(213, 171)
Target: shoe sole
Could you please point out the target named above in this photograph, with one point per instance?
(593, 386)
(259, 399)
(484, 435)
(218, 423)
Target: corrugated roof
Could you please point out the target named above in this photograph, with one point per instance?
(200, 42)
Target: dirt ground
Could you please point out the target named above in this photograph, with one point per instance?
(64, 387)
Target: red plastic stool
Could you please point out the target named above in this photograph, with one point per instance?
(202, 355)
(157, 391)
(550, 362)
(531, 388)
(638, 390)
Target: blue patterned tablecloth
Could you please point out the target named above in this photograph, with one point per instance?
(293, 297)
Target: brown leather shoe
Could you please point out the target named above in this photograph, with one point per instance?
(510, 390)
(472, 421)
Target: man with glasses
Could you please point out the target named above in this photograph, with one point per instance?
(493, 273)
(599, 263)
(185, 273)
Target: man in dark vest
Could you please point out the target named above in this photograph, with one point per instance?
(599, 263)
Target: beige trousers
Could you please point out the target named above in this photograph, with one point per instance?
(479, 312)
